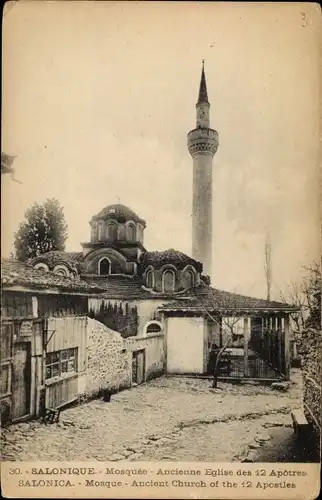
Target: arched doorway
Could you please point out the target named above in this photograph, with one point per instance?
(104, 266)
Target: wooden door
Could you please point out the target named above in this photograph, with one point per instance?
(138, 367)
(21, 380)
(134, 368)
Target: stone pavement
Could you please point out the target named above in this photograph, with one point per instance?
(164, 419)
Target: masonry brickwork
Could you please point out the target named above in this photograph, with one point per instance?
(310, 349)
(109, 358)
(107, 361)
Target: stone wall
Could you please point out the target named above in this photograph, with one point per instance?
(108, 362)
(109, 358)
(310, 351)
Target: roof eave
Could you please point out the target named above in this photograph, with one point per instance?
(34, 287)
(243, 310)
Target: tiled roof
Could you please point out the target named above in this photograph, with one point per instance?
(116, 286)
(14, 272)
(202, 298)
(127, 288)
(119, 212)
(56, 257)
(205, 298)
(171, 256)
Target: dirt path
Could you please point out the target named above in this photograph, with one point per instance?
(165, 419)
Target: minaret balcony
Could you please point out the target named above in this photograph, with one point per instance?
(202, 141)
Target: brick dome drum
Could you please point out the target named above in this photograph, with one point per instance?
(120, 213)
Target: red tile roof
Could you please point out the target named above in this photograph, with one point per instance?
(199, 299)
(55, 257)
(14, 272)
(120, 212)
(158, 259)
(205, 298)
(126, 288)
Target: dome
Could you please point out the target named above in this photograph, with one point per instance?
(56, 257)
(118, 212)
(171, 256)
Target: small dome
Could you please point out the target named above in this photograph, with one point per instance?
(56, 257)
(118, 212)
(171, 256)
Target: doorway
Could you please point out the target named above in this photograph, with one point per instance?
(21, 380)
(138, 367)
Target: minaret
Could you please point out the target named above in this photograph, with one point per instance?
(202, 145)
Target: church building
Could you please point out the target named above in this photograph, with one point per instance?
(158, 306)
(168, 284)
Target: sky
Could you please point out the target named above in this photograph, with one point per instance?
(98, 98)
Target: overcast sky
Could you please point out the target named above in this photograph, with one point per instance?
(98, 98)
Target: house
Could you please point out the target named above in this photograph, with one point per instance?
(53, 353)
(35, 307)
(258, 331)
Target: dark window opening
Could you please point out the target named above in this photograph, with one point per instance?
(131, 233)
(153, 328)
(149, 279)
(111, 232)
(104, 267)
(189, 279)
(168, 281)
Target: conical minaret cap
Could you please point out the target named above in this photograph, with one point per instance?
(203, 95)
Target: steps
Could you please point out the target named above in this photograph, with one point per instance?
(300, 424)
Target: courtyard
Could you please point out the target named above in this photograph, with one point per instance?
(175, 419)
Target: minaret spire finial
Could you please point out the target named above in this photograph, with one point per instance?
(203, 95)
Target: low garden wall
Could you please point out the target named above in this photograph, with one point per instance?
(310, 353)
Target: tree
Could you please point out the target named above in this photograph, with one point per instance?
(313, 293)
(268, 267)
(44, 229)
(227, 315)
(306, 295)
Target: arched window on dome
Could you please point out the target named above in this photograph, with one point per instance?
(168, 281)
(100, 231)
(61, 270)
(188, 279)
(149, 279)
(131, 232)
(104, 266)
(111, 231)
(42, 267)
(94, 232)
